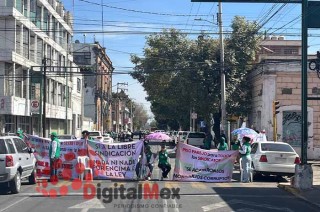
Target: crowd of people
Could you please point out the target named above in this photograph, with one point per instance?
(145, 170)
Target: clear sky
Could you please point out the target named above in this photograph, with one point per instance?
(122, 25)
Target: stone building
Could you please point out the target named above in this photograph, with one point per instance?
(277, 77)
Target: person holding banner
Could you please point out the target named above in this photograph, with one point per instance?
(207, 141)
(245, 150)
(54, 154)
(163, 164)
(222, 146)
(149, 162)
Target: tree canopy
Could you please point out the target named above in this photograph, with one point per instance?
(179, 73)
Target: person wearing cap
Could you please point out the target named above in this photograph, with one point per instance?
(20, 134)
(163, 164)
(222, 146)
(54, 154)
(245, 150)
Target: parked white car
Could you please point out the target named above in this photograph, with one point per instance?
(107, 139)
(273, 158)
(181, 135)
(17, 161)
(96, 135)
(194, 138)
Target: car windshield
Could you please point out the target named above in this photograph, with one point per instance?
(64, 136)
(196, 135)
(3, 149)
(94, 134)
(276, 147)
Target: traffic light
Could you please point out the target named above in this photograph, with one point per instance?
(276, 106)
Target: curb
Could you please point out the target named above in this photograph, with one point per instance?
(297, 194)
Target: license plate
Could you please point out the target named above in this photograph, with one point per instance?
(281, 159)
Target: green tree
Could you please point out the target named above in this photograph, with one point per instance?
(179, 73)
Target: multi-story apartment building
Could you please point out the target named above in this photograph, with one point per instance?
(38, 33)
(278, 77)
(97, 69)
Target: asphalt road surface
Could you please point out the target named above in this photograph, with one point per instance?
(105, 195)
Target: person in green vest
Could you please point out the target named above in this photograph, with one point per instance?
(245, 150)
(207, 141)
(222, 146)
(20, 134)
(54, 154)
(163, 164)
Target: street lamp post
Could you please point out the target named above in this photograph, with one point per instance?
(223, 77)
(222, 74)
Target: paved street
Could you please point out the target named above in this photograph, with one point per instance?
(263, 195)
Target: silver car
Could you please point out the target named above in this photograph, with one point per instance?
(17, 161)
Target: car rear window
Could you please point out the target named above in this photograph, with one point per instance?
(276, 147)
(64, 137)
(3, 148)
(196, 135)
(185, 133)
(94, 134)
(10, 146)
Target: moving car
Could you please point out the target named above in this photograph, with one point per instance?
(195, 138)
(17, 161)
(273, 158)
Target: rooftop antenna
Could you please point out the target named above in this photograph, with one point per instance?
(102, 22)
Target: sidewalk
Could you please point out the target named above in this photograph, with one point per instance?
(310, 196)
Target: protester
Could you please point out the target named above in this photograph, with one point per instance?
(163, 164)
(149, 156)
(235, 144)
(54, 154)
(207, 141)
(222, 146)
(20, 134)
(245, 151)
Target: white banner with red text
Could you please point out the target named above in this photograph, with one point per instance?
(114, 161)
(195, 164)
(67, 163)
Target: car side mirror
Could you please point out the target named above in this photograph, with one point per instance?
(31, 150)
(184, 137)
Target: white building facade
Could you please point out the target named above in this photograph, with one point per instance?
(38, 32)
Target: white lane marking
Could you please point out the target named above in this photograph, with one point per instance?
(218, 205)
(214, 206)
(85, 206)
(175, 209)
(165, 209)
(13, 204)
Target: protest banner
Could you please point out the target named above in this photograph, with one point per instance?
(114, 161)
(67, 163)
(195, 164)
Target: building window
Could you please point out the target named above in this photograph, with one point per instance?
(8, 79)
(82, 58)
(291, 51)
(59, 94)
(78, 85)
(79, 122)
(26, 43)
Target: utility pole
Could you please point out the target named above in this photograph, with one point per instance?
(223, 77)
(44, 63)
